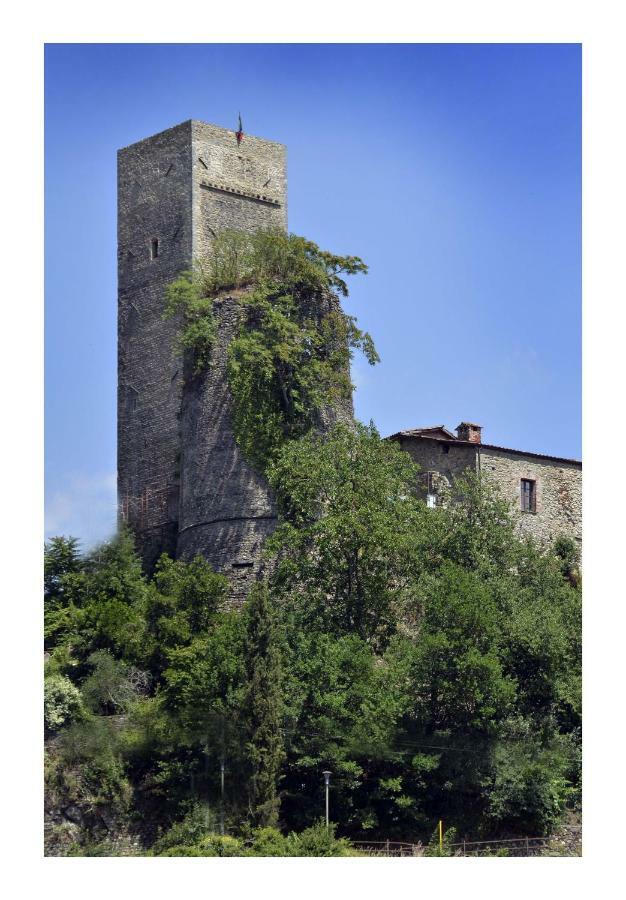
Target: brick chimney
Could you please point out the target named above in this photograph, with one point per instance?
(467, 431)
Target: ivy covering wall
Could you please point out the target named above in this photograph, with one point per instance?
(291, 356)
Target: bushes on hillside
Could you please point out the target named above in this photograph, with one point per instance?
(426, 657)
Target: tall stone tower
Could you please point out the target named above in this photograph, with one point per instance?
(182, 484)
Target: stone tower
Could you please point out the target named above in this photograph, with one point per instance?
(182, 485)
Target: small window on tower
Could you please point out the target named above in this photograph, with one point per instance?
(529, 495)
(154, 248)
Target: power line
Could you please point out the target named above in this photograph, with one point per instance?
(404, 744)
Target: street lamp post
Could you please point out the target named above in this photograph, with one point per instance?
(327, 783)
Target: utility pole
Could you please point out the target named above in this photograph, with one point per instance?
(222, 795)
(222, 784)
(206, 804)
(327, 782)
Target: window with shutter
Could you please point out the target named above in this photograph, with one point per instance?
(529, 495)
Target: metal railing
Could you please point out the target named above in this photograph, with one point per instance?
(388, 848)
(524, 846)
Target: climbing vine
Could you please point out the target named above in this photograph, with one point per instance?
(290, 358)
(185, 297)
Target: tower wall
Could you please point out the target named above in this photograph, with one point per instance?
(183, 486)
(154, 203)
(226, 508)
(235, 186)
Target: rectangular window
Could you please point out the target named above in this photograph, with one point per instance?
(529, 495)
(154, 248)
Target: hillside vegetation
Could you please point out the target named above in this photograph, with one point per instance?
(425, 657)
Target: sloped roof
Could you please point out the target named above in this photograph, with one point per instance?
(434, 431)
(443, 435)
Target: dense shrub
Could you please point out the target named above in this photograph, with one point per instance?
(317, 841)
(62, 702)
(112, 685)
(188, 832)
(314, 841)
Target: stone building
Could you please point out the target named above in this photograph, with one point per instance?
(545, 491)
(183, 485)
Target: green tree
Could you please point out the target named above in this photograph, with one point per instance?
(263, 705)
(62, 562)
(96, 602)
(108, 600)
(427, 657)
(61, 558)
(568, 554)
(182, 605)
(456, 667)
(348, 542)
(341, 714)
(474, 528)
(205, 677)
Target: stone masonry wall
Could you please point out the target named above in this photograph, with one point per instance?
(154, 202)
(226, 508)
(558, 482)
(558, 486)
(235, 186)
(178, 187)
(448, 461)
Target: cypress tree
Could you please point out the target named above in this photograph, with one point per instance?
(263, 706)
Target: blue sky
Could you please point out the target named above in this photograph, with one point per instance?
(452, 169)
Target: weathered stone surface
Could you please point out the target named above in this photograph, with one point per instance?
(183, 485)
(154, 202)
(559, 491)
(242, 187)
(226, 508)
(177, 188)
(558, 481)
